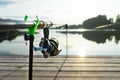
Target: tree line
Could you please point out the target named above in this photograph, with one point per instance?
(94, 22)
(99, 21)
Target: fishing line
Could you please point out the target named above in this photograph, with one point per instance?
(66, 56)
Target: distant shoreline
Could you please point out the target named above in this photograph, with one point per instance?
(62, 56)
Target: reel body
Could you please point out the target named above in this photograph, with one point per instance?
(48, 47)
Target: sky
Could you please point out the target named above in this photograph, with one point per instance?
(59, 11)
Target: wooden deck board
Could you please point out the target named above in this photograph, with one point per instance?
(75, 68)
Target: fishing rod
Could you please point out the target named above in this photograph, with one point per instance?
(23, 24)
(48, 47)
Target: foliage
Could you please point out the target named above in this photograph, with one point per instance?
(111, 20)
(96, 21)
(117, 19)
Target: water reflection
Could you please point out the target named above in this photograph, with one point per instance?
(102, 36)
(98, 36)
(9, 34)
(82, 53)
(87, 42)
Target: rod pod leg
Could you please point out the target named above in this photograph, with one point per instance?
(31, 39)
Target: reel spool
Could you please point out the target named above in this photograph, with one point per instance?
(48, 47)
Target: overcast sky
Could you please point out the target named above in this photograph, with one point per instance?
(59, 11)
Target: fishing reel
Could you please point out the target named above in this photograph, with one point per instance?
(48, 47)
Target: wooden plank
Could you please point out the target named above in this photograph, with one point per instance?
(58, 64)
(75, 68)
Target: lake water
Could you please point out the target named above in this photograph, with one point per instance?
(79, 42)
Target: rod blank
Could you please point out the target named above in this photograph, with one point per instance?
(23, 24)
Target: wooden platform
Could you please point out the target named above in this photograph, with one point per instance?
(75, 68)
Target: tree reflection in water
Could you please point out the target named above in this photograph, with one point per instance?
(98, 36)
(9, 34)
(102, 36)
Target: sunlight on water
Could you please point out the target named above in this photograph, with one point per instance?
(81, 44)
(82, 54)
(77, 30)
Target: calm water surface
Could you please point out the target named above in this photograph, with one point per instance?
(80, 42)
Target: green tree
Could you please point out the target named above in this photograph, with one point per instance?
(96, 21)
(117, 19)
(111, 20)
